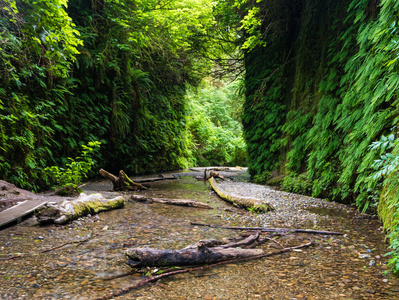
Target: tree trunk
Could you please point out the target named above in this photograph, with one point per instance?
(203, 252)
(142, 257)
(180, 202)
(70, 210)
(257, 205)
(123, 182)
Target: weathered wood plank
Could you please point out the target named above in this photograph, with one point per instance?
(19, 211)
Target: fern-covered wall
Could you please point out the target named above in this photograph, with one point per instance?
(111, 71)
(323, 88)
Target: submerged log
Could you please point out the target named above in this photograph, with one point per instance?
(123, 182)
(179, 202)
(143, 257)
(70, 210)
(203, 252)
(259, 206)
(152, 278)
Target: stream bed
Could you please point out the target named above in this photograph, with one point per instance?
(349, 266)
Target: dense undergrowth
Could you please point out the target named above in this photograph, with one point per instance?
(116, 72)
(321, 87)
(215, 124)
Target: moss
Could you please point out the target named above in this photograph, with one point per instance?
(96, 206)
(387, 203)
(248, 203)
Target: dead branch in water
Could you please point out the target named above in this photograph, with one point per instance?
(157, 277)
(264, 229)
(49, 249)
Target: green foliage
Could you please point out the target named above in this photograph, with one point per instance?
(394, 245)
(321, 92)
(68, 179)
(111, 71)
(37, 47)
(385, 176)
(262, 178)
(258, 209)
(299, 184)
(215, 126)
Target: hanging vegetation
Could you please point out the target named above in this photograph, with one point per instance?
(74, 72)
(322, 86)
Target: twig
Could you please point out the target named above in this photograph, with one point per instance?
(68, 243)
(50, 249)
(292, 230)
(148, 280)
(275, 241)
(11, 257)
(119, 275)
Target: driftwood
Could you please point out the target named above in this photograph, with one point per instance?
(266, 229)
(140, 257)
(157, 277)
(179, 202)
(69, 210)
(123, 182)
(204, 252)
(211, 174)
(256, 205)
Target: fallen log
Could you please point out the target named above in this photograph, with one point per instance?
(69, 210)
(179, 202)
(259, 206)
(266, 229)
(122, 182)
(203, 252)
(143, 257)
(157, 277)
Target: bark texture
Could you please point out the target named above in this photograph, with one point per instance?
(69, 210)
(143, 257)
(122, 182)
(257, 205)
(179, 202)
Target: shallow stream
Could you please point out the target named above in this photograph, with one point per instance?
(349, 266)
